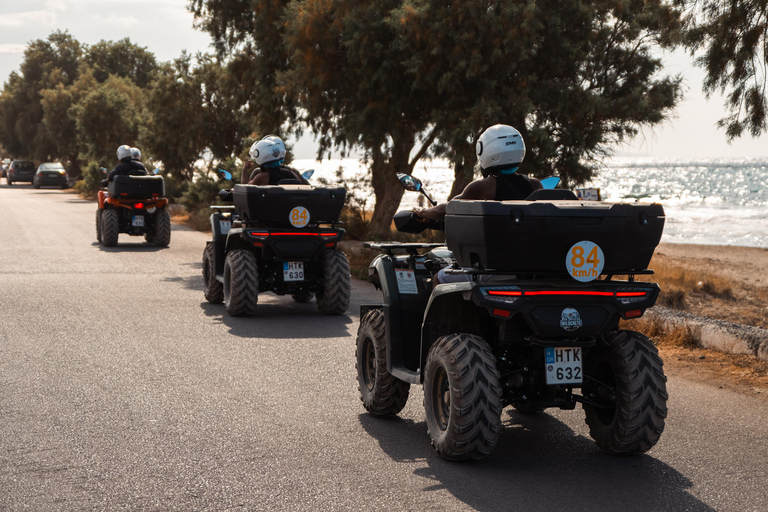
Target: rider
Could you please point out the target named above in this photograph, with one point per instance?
(269, 154)
(127, 166)
(500, 151)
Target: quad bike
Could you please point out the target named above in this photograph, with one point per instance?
(531, 320)
(280, 238)
(134, 205)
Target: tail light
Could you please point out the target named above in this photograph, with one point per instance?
(138, 206)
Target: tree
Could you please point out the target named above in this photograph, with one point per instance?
(573, 77)
(108, 115)
(192, 110)
(47, 64)
(733, 36)
(394, 76)
(124, 59)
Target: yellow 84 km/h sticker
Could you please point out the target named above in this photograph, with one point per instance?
(585, 261)
(299, 217)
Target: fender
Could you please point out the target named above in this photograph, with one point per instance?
(450, 309)
(102, 197)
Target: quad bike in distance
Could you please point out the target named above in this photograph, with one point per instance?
(277, 238)
(529, 319)
(135, 205)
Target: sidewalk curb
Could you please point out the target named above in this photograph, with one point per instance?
(717, 334)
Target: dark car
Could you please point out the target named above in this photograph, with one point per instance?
(50, 174)
(20, 170)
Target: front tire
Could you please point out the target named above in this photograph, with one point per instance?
(212, 288)
(462, 397)
(98, 225)
(241, 283)
(625, 375)
(337, 283)
(382, 393)
(162, 236)
(110, 227)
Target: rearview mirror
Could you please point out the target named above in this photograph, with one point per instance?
(155, 171)
(103, 170)
(225, 174)
(551, 182)
(409, 182)
(307, 174)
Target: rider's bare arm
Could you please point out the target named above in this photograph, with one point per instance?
(480, 189)
(245, 175)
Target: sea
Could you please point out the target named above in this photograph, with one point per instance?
(706, 201)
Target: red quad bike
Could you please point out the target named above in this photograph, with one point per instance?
(280, 238)
(134, 205)
(533, 321)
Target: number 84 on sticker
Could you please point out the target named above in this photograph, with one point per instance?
(585, 261)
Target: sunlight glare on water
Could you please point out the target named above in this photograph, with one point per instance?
(708, 201)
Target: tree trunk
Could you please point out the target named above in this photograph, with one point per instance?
(386, 188)
(463, 169)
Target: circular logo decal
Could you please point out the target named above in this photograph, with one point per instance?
(585, 261)
(299, 217)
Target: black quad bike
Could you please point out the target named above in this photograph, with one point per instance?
(134, 205)
(529, 317)
(278, 238)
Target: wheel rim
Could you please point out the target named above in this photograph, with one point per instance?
(369, 364)
(441, 398)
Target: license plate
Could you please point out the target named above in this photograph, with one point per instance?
(225, 226)
(138, 220)
(293, 271)
(563, 365)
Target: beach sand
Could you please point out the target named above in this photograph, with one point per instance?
(745, 266)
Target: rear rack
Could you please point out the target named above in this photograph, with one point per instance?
(391, 247)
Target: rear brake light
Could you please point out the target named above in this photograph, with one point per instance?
(634, 313)
(138, 206)
(507, 293)
(502, 313)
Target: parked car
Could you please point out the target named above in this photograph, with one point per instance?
(20, 170)
(4, 166)
(50, 174)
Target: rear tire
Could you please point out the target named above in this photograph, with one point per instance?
(624, 371)
(462, 397)
(212, 288)
(241, 283)
(110, 227)
(382, 393)
(337, 283)
(303, 297)
(98, 224)
(35, 185)
(162, 237)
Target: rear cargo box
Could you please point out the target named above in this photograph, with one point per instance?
(273, 204)
(538, 235)
(137, 187)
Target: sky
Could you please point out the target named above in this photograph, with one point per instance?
(165, 27)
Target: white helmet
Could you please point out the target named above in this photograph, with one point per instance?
(499, 147)
(135, 154)
(268, 150)
(123, 152)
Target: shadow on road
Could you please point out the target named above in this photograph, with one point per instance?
(129, 247)
(279, 317)
(539, 463)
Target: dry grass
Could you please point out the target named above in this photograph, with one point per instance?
(679, 282)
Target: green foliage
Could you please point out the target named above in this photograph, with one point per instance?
(356, 212)
(392, 77)
(124, 59)
(90, 183)
(734, 38)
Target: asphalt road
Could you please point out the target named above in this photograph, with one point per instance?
(122, 389)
